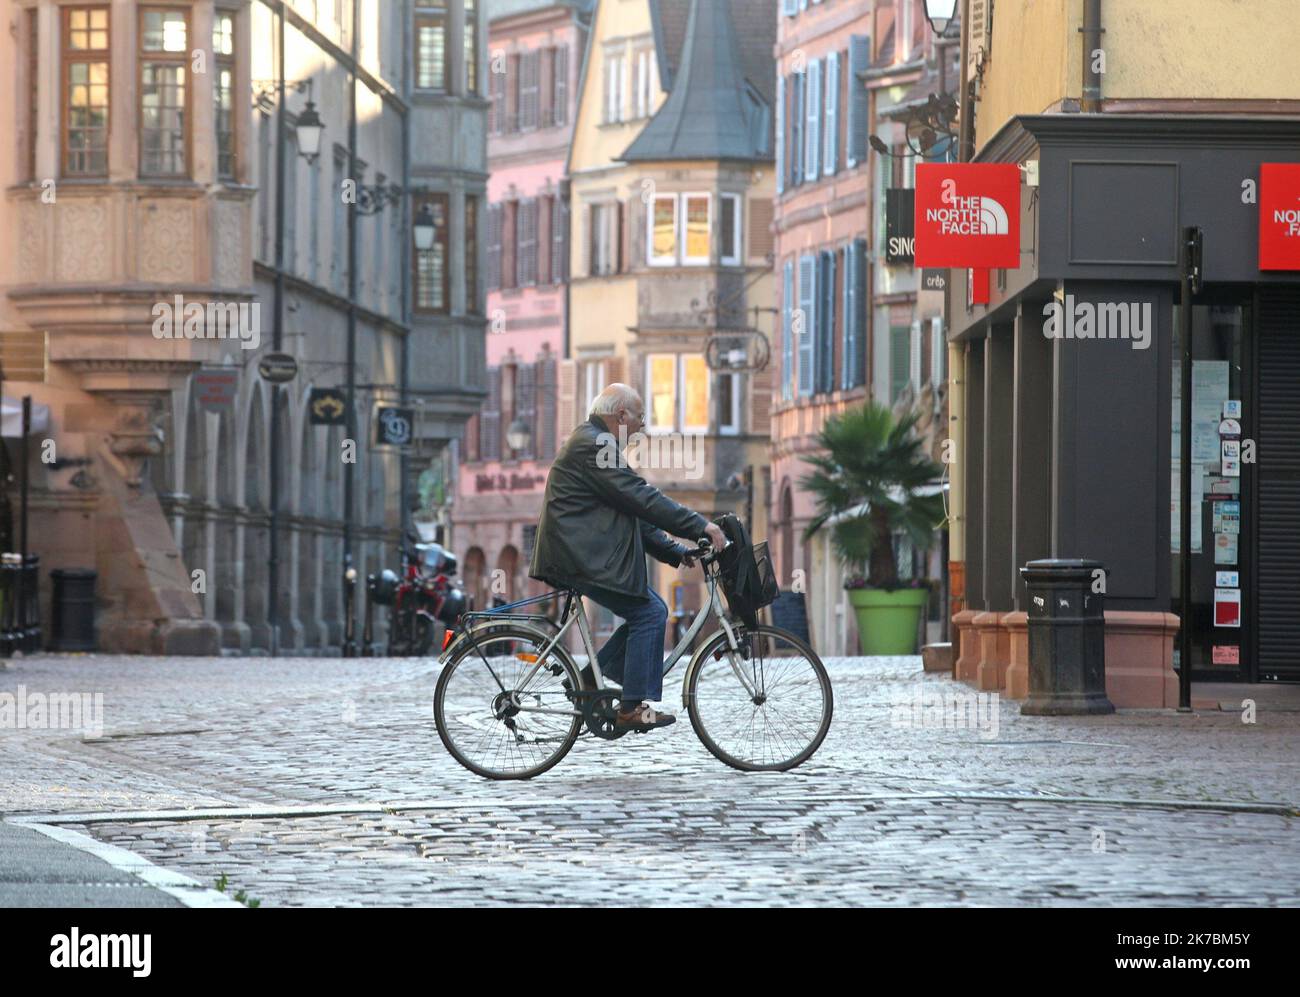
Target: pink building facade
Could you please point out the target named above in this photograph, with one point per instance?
(535, 54)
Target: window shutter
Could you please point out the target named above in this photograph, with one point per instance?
(796, 129)
(826, 325)
(490, 419)
(938, 352)
(787, 348)
(621, 239)
(528, 90)
(847, 341)
(471, 437)
(859, 311)
(780, 134)
(859, 59)
(566, 410)
(559, 241)
(814, 114)
(899, 360)
(914, 355)
(760, 227)
(527, 243)
(561, 99)
(830, 153)
(546, 86)
(547, 404)
(510, 244)
(526, 406)
(544, 261)
(494, 248)
(806, 327)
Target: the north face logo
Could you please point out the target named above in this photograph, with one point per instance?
(977, 215)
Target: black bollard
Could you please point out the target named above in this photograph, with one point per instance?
(1067, 638)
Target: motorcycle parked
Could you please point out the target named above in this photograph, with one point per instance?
(423, 603)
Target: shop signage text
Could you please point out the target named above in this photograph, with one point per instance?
(967, 215)
(514, 482)
(1279, 216)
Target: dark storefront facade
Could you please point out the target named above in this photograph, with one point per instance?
(1071, 439)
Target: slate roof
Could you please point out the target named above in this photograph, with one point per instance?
(715, 60)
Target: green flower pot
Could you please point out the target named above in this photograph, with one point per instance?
(887, 620)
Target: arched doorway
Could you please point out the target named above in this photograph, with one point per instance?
(785, 532)
(475, 576)
(505, 585)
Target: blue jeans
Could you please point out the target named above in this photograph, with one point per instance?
(634, 654)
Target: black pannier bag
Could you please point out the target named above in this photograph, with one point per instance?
(748, 580)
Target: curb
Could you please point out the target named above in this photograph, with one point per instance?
(187, 890)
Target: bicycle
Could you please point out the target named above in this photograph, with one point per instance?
(511, 701)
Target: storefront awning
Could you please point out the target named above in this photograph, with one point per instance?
(12, 409)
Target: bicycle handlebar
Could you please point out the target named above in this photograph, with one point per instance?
(706, 554)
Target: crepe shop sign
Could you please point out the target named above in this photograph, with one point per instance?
(968, 215)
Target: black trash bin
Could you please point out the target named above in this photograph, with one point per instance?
(73, 607)
(1067, 638)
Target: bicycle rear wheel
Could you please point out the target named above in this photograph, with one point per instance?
(776, 717)
(497, 714)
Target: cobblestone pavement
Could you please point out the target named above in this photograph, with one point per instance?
(348, 797)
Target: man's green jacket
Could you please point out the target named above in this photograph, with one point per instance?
(601, 518)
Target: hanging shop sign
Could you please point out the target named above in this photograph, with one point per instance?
(278, 368)
(394, 427)
(1279, 216)
(215, 389)
(934, 279)
(900, 218)
(967, 215)
(328, 407)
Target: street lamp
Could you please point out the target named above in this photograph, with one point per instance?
(940, 13)
(518, 435)
(424, 229)
(309, 129)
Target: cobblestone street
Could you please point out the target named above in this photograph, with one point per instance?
(323, 781)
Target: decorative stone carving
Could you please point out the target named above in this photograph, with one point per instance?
(136, 436)
(165, 247)
(229, 263)
(30, 243)
(84, 249)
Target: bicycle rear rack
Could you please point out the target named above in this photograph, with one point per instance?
(499, 612)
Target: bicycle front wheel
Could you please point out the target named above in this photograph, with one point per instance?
(765, 707)
(502, 709)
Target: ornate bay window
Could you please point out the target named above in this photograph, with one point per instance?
(85, 91)
(164, 102)
(432, 270)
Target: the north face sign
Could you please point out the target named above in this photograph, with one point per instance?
(968, 215)
(1279, 216)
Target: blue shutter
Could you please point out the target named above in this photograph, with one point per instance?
(796, 129)
(846, 324)
(826, 325)
(814, 109)
(830, 154)
(787, 343)
(859, 311)
(856, 135)
(806, 328)
(780, 134)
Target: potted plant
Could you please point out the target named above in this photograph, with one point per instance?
(869, 483)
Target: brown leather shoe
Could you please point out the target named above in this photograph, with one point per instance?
(642, 717)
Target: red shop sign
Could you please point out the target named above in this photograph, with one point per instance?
(1279, 216)
(968, 215)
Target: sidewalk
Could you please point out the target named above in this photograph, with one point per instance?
(42, 866)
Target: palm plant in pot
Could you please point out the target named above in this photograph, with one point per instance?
(869, 481)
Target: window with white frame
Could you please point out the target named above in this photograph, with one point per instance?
(729, 212)
(661, 233)
(677, 393)
(603, 239)
(615, 85)
(697, 220)
(645, 78)
(594, 373)
(728, 403)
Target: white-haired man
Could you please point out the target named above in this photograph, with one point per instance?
(599, 520)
